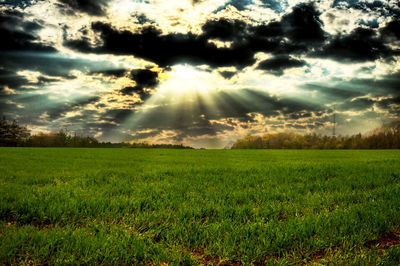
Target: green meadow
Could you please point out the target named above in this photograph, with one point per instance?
(191, 207)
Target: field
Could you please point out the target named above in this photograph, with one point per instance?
(154, 206)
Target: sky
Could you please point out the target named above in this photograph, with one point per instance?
(199, 72)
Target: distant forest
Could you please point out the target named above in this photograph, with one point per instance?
(385, 137)
(14, 135)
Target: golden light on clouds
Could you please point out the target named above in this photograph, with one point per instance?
(200, 72)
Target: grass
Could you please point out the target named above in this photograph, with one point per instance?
(154, 206)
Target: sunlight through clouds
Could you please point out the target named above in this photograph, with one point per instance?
(203, 71)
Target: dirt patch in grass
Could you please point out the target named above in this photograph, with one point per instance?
(383, 242)
(304, 257)
(386, 241)
(202, 258)
(11, 220)
(42, 224)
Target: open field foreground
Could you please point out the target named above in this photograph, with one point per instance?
(153, 206)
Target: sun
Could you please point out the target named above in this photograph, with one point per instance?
(185, 80)
(183, 89)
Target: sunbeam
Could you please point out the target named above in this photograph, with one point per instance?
(185, 92)
(190, 70)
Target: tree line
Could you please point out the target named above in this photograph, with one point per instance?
(385, 137)
(160, 146)
(14, 135)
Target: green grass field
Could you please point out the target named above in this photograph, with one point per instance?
(153, 206)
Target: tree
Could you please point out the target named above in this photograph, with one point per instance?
(11, 134)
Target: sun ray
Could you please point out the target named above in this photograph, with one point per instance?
(186, 91)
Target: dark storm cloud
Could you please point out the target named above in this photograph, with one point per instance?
(392, 29)
(273, 29)
(11, 79)
(373, 24)
(303, 25)
(278, 64)
(227, 74)
(19, 46)
(19, 35)
(21, 49)
(225, 29)
(145, 79)
(360, 45)
(52, 65)
(90, 7)
(299, 31)
(143, 94)
(15, 81)
(14, 62)
(164, 50)
(245, 38)
(128, 90)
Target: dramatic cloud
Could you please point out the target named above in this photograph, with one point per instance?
(91, 7)
(164, 50)
(227, 74)
(277, 64)
(360, 45)
(19, 35)
(201, 72)
(392, 29)
(302, 27)
(225, 30)
(144, 79)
